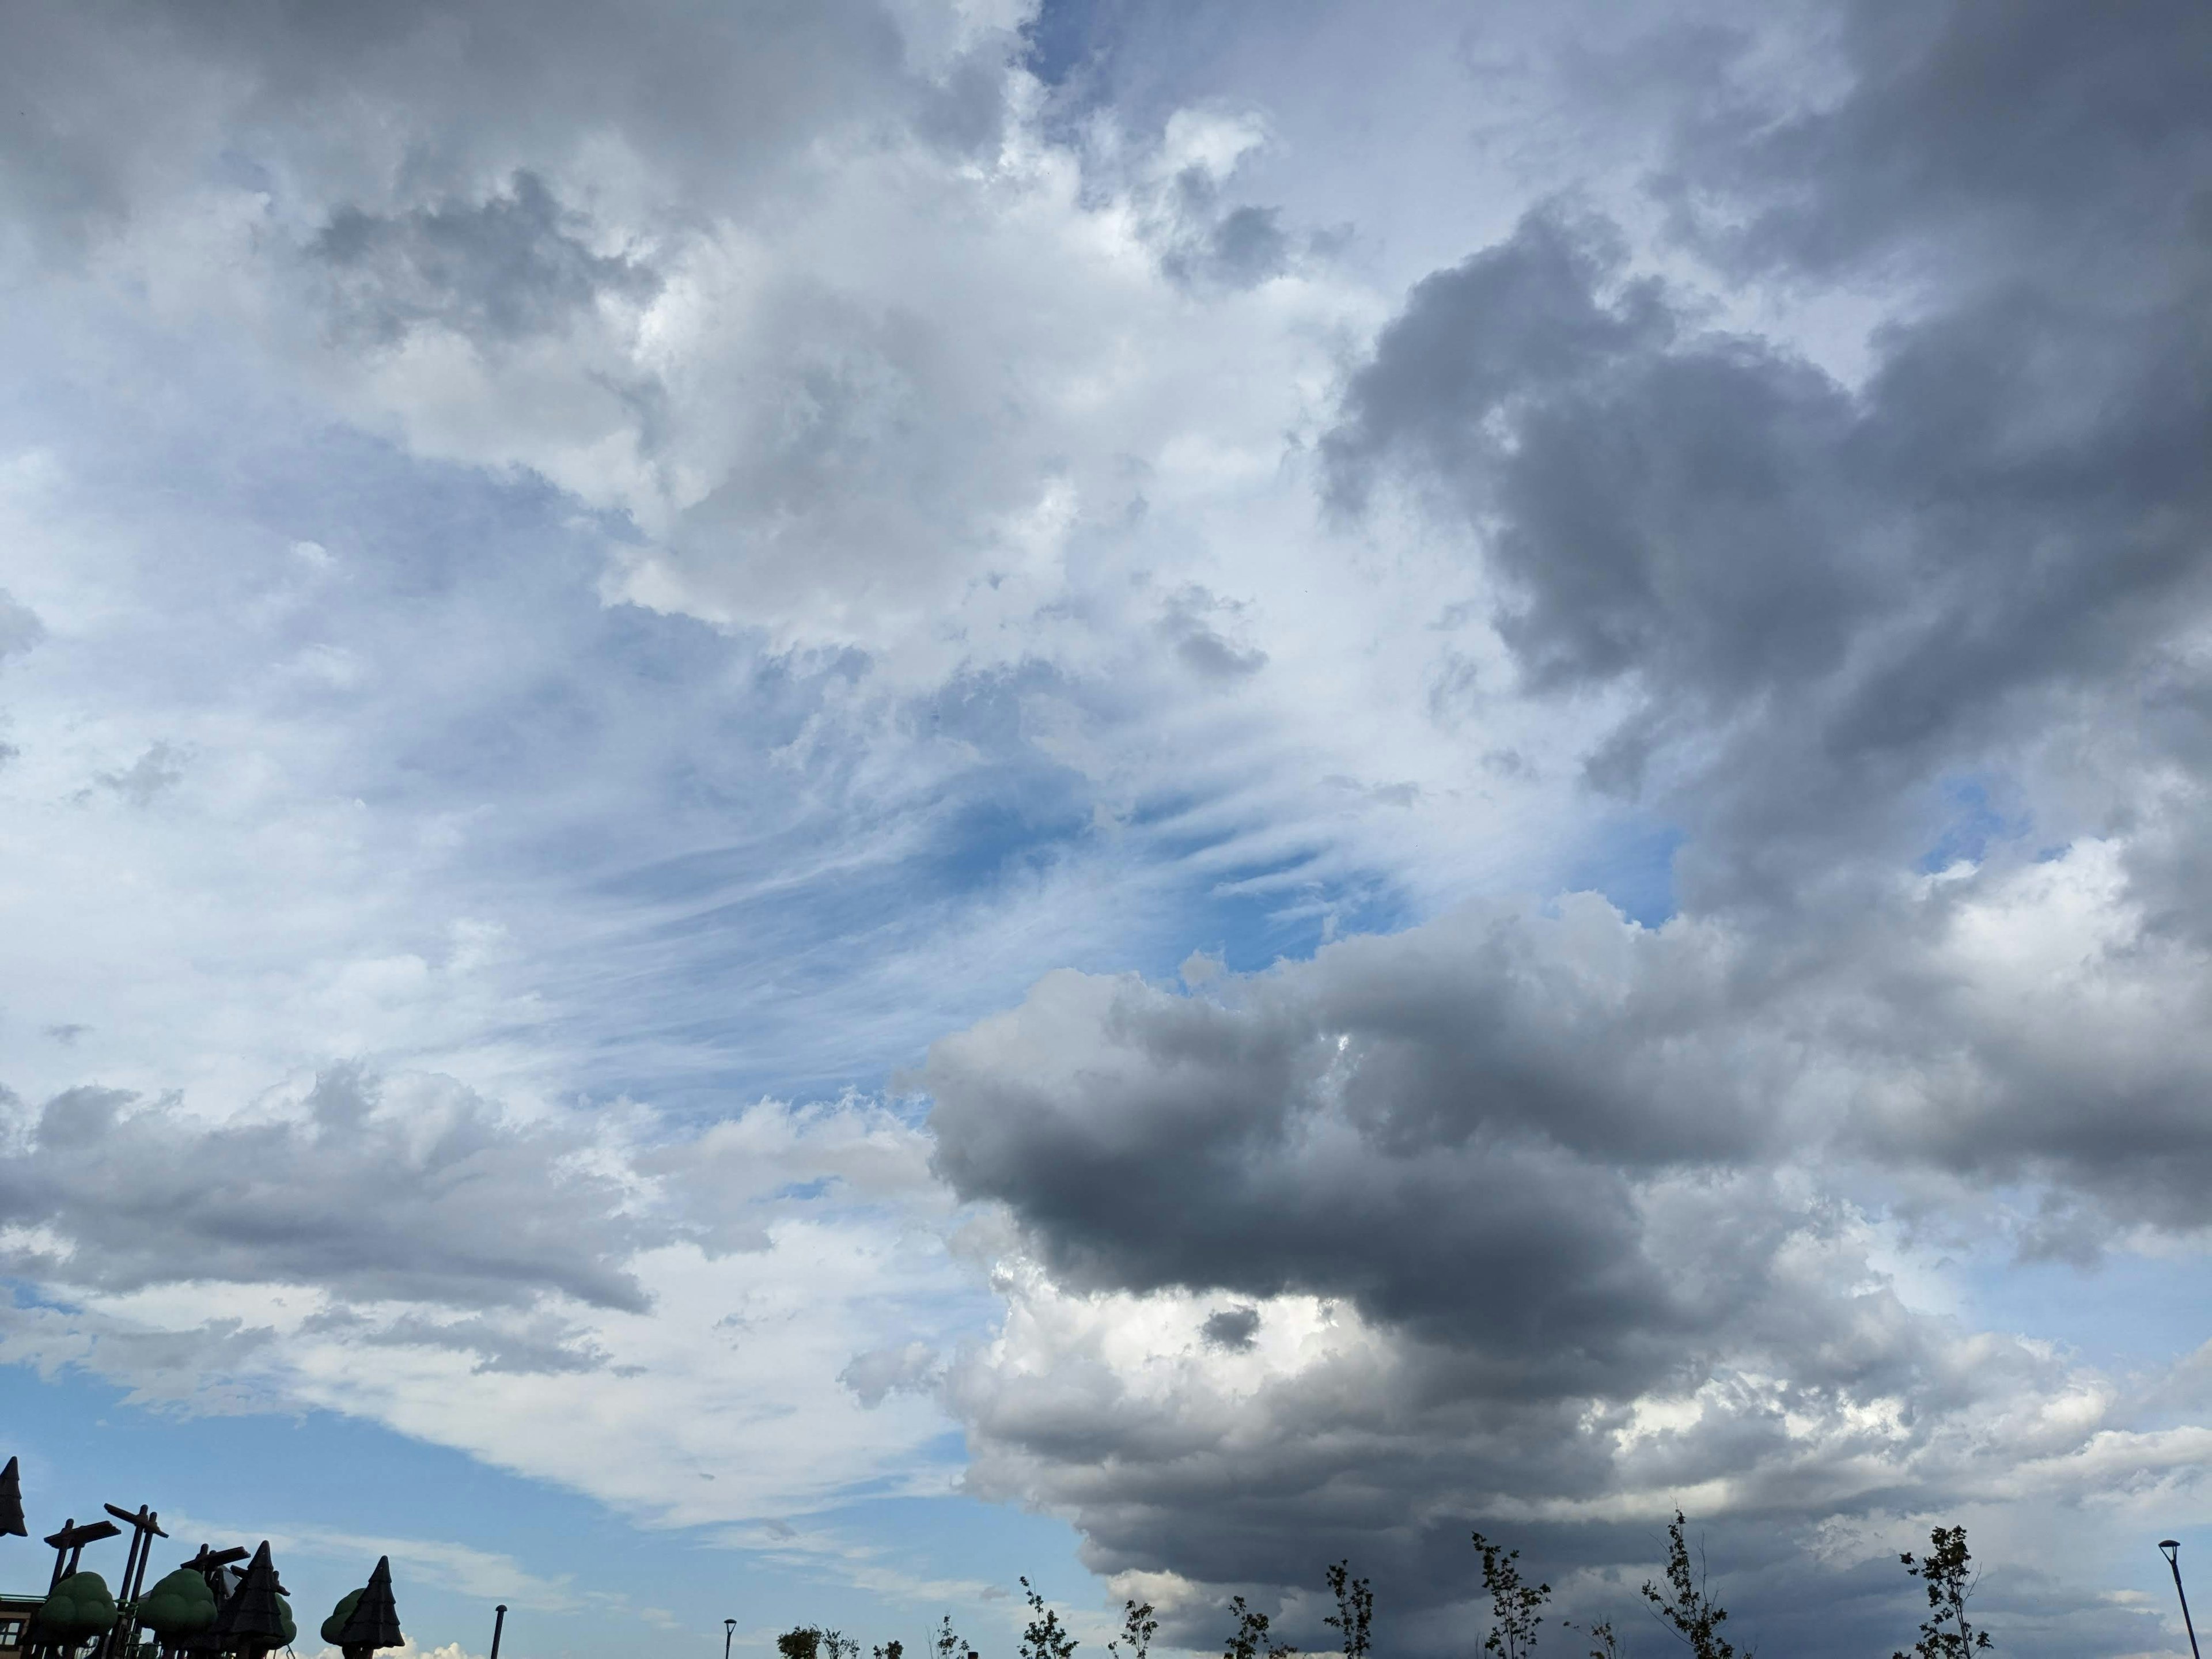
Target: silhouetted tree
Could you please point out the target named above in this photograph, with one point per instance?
(1514, 1605)
(1044, 1636)
(950, 1646)
(1688, 1608)
(1355, 1609)
(1251, 1639)
(1137, 1629)
(1947, 1571)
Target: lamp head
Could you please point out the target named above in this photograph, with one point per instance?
(2169, 1548)
(729, 1624)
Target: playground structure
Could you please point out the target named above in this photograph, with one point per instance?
(208, 1607)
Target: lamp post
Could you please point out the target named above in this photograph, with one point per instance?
(729, 1630)
(498, 1624)
(2171, 1549)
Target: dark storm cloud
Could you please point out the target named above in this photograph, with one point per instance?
(499, 269)
(1425, 1126)
(441, 1203)
(1548, 1140)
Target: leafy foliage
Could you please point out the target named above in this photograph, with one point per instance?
(1514, 1604)
(891, 1649)
(1604, 1644)
(1947, 1571)
(1355, 1609)
(1044, 1636)
(1251, 1639)
(1688, 1608)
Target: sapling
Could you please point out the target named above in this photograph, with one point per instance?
(1044, 1636)
(1251, 1639)
(1947, 1571)
(1355, 1609)
(1137, 1629)
(1514, 1605)
(947, 1645)
(1688, 1609)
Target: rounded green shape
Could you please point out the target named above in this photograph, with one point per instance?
(180, 1605)
(284, 1612)
(334, 1626)
(80, 1606)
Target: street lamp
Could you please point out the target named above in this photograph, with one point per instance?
(2171, 1549)
(729, 1629)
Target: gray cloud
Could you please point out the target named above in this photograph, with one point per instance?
(1821, 596)
(1189, 620)
(1233, 1329)
(535, 1344)
(106, 109)
(509, 266)
(20, 627)
(874, 1376)
(434, 1200)
(154, 773)
(1237, 246)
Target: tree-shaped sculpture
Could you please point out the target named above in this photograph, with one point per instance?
(11, 1503)
(256, 1619)
(368, 1619)
(209, 1565)
(79, 1607)
(177, 1608)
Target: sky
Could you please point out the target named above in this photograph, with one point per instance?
(806, 804)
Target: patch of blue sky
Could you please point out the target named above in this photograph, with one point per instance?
(1631, 860)
(1973, 818)
(2122, 1312)
(333, 1493)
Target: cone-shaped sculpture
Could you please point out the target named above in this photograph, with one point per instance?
(375, 1620)
(254, 1620)
(11, 1501)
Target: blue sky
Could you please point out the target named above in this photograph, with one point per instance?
(800, 806)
